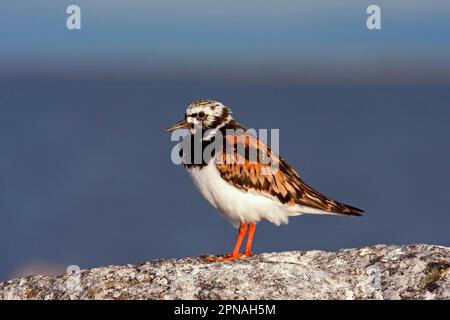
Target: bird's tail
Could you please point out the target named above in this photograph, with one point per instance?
(347, 210)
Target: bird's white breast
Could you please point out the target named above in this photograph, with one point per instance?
(235, 204)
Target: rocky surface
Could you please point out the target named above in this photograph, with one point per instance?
(378, 272)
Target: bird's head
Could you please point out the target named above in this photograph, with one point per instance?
(204, 115)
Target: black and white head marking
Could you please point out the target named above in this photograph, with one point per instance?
(209, 115)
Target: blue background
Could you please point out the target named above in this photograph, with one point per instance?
(85, 171)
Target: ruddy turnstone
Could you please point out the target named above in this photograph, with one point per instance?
(246, 190)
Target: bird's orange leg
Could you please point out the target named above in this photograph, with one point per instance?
(235, 254)
(251, 233)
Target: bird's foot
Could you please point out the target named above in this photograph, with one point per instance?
(226, 258)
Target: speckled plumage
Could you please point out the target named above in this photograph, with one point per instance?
(244, 190)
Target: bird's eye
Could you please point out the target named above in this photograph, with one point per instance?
(201, 115)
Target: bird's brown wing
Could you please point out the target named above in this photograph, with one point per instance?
(249, 164)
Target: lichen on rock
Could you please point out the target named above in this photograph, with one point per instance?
(377, 272)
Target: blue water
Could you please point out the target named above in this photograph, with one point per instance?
(86, 176)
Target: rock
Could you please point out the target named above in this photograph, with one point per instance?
(378, 272)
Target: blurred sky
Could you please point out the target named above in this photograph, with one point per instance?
(85, 170)
(321, 40)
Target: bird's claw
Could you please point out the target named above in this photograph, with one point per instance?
(226, 257)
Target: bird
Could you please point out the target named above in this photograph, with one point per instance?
(246, 192)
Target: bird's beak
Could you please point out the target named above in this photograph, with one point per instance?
(182, 124)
